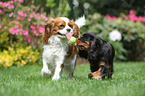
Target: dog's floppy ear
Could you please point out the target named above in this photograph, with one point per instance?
(93, 44)
(76, 29)
(48, 30)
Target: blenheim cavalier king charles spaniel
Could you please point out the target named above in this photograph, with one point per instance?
(58, 54)
(99, 53)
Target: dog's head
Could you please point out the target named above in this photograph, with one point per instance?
(60, 26)
(86, 41)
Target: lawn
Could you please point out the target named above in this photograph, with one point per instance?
(128, 80)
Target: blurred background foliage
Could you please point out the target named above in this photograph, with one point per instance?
(21, 26)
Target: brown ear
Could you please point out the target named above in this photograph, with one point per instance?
(48, 28)
(75, 29)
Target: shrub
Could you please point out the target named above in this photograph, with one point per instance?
(19, 57)
(132, 34)
(21, 23)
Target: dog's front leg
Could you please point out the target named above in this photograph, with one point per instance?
(45, 71)
(58, 69)
(99, 73)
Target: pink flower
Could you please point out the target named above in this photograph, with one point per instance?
(38, 18)
(113, 18)
(11, 21)
(1, 3)
(28, 39)
(32, 27)
(11, 14)
(29, 19)
(131, 12)
(16, 26)
(0, 26)
(19, 5)
(28, 9)
(11, 6)
(19, 18)
(17, 22)
(110, 18)
(1, 11)
(35, 33)
(35, 39)
(42, 23)
(126, 17)
(12, 31)
(41, 29)
(140, 18)
(31, 15)
(34, 7)
(21, 1)
(5, 4)
(25, 32)
(5, 27)
(5, 9)
(133, 18)
(25, 14)
(20, 33)
(143, 20)
(107, 16)
(35, 16)
(25, 38)
(12, 1)
(45, 18)
(20, 13)
(18, 30)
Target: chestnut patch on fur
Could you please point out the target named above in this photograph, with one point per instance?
(72, 51)
(62, 66)
(83, 45)
(95, 75)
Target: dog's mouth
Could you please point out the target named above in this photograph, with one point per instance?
(67, 35)
(61, 35)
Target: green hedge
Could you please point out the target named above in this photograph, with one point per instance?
(131, 45)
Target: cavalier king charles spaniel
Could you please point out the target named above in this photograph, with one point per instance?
(58, 54)
(99, 53)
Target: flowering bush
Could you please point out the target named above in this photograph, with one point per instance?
(131, 16)
(22, 22)
(19, 57)
(129, 45)
(132, 28)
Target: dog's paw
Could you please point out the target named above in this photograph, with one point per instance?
(56, 77)
(45, 73)
(90, 75)
(97, 77)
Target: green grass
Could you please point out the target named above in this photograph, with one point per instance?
(128, 80)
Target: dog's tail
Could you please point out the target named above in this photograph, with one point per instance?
(81, 21)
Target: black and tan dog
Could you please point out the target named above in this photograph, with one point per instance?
(99, 53)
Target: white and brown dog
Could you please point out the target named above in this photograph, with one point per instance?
(58, 54)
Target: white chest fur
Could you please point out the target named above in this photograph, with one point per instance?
(56, 49)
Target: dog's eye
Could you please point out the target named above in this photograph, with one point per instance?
(71, 26)
(82, 47)
(61, 26)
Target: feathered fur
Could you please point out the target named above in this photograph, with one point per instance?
(58, 54)
(99, 53)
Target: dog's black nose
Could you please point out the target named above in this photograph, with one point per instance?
(68, 30)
